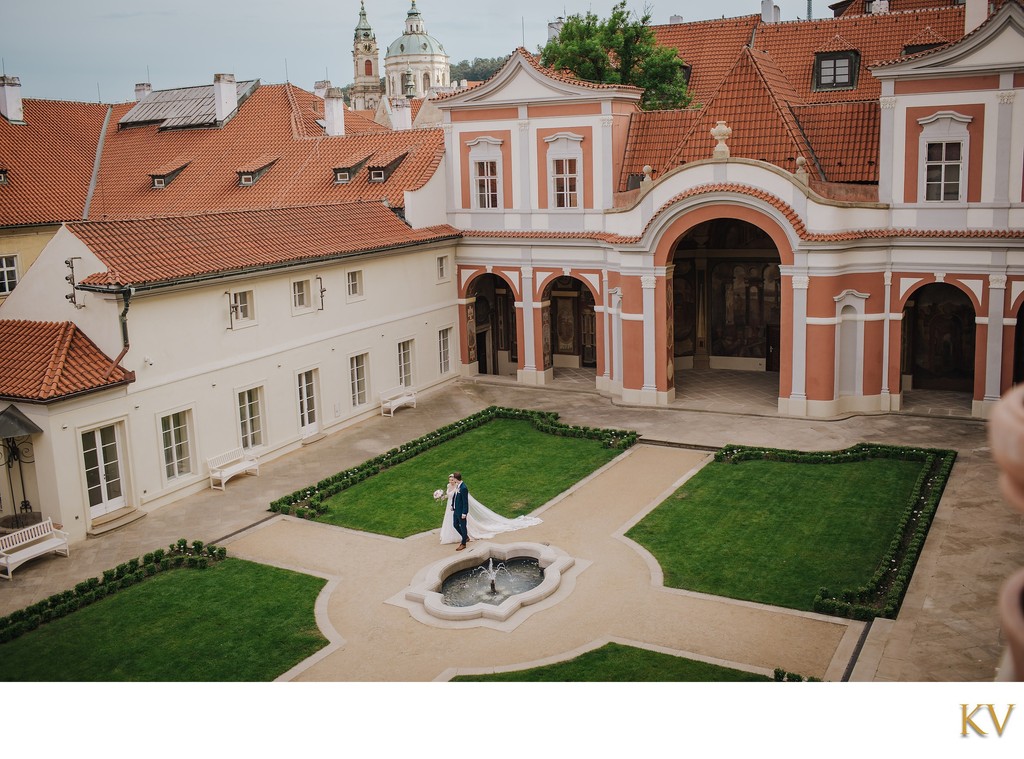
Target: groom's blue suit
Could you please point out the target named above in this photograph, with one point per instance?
(460, 508)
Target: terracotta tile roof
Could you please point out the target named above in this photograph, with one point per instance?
(928, 36)
(47, 361)
(755, 100)
(878, 37)
(49, 160)
(710, 48)
(857, 7)
(652, 139)
(844, 139)
(277, 120)
(169, 249)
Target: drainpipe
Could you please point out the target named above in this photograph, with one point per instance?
(126, 294)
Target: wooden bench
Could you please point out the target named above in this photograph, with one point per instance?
(227, 465)
(22, 545)
(395, 398)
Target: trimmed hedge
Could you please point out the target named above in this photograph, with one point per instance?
(310, 502)
(194, 555)
(882, 595)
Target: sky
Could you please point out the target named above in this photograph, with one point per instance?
(96, 50)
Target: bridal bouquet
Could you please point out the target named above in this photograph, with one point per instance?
(439, 495)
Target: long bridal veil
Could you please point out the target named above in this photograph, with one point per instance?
(484, 523)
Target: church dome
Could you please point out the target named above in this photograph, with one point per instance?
(415, 41)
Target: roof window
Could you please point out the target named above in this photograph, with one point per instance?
(165, 174)
(381, 168)
(345, 174)
(3, 176)
(250, 174)
(836, 70)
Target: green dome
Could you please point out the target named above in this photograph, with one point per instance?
(415, 44)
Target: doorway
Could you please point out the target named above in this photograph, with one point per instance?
(101, 454)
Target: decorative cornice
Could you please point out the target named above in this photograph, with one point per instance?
(887, 103)
(647, 282)
(1006, 97)
(801, 282)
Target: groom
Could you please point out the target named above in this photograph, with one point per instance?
(460, 508)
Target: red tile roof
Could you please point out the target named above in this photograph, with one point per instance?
(844, 139)
(856, 7)
(652, 139)
(49, 160)
(276, 120)
(47, 361)
(170, 249)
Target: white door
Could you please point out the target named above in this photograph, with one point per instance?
(308, 424)
(101, 453)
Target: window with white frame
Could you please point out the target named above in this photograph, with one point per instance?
(8, 274)
(174, 433)
(836, 70)
(243, 309)
(301, 295)
(250, 417)
(442, 268)
(354, 283)
(357, 366)
(943, 152)
(565, 160)
(444, 353)
(485, 164)
(405, 363)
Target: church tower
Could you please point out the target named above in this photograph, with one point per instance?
(365, 93)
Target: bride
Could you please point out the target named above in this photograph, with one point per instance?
(482, 523)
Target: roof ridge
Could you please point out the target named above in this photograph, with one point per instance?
(58, 359)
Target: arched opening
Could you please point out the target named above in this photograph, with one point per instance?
(368, 68)
(1018, 347)
(491, 326)
(847, 353)
(569, 329)
(938, 340)
(426, 84)
(727, 304)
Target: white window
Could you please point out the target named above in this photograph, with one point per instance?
(836, 71)
(8, 274)
(565, 161)
(174, 432)
(442, 269)
(357, 377)
(944, 153)
(242, 308)
(250, 417)
(405, 363)
(485, 164)
(301, 301)
(942, 171)
(444, 355)
(354, 284)
(308, 424)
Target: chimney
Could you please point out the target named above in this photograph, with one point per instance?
(334, 112)
(975, 14)
(879, 7)
(675, 19)
(555, 28)
(10, 99)
(142, 89)
(770, 13)
(225, 96)
(401, 114)
(321, 87)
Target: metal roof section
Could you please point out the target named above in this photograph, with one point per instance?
(182, 108)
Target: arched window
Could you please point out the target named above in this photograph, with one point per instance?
(426, 83)
(368, 67)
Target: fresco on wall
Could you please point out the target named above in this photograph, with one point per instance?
(745, 300)
(682, 308)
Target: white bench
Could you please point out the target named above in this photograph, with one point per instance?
(227, 465)
(395, 398)
(22, 545)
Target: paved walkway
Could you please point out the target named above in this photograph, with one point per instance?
(947, 629)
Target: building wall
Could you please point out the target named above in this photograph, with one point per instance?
(25, 243)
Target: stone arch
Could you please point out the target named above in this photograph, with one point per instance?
(549, 277)
(938, 345)
(570, 337)
(491, 324)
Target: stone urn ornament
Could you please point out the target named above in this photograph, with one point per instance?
(721, 132)
(1006, 434)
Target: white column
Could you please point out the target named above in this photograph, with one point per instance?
(798, 396)
(886, 324)
(887, 143)
(647, 285)
(994, 348)
(604, 181)
(529, 365)
(524, 177)
(607, 326)
(616, 317)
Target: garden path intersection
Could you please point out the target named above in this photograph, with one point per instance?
(947, 629)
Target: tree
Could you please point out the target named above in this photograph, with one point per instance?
(477, 71)
(620, 50)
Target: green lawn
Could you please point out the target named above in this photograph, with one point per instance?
(508, 466)
(776, 532)
(234, 621)
(617, 663)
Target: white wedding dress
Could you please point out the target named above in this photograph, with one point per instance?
(481, 522)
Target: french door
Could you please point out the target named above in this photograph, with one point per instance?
(101, 454)
(308, 424)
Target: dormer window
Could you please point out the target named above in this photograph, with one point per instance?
(250, 174)
(166, 174)
(382, 167)
(342, 176)
(3, 176)
(836, 71)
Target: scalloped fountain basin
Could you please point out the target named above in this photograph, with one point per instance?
(492, 583)
(427, 593)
